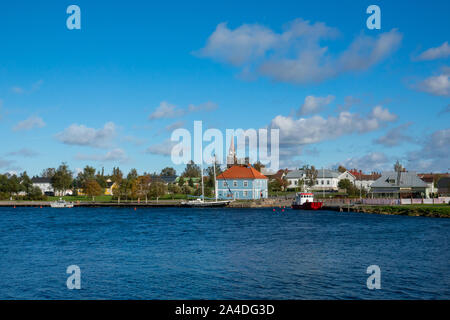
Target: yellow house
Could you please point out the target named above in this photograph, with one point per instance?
(108, 191)
(109, 187)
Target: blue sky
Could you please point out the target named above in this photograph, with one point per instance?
(87, 96)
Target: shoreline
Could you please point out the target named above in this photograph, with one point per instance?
(434, 211)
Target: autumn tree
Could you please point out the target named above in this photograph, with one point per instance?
(92, 188)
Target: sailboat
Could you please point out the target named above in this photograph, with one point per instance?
(200, 202)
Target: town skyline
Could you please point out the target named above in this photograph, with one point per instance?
(109, 95)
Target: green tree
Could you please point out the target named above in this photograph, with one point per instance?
(168, 171)
(181, 181)
(25, 182)
(342, 169)
(192, 170)
(62, 179)
(48, 173)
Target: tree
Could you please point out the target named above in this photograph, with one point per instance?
(141, 186)
(117, 178)
(26, 183)
(168, 171)
(48, 173)
(311, 175)
(157, 189)
(87, 174)
(258, 166)
(92, 188)
(62, 179)
(192, 170)
(342, 169)
(301, 185)
(181, 181)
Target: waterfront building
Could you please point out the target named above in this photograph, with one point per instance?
(328, 180)
(242, 182)
(364, 181)
(400, 184)
(293, 177)
(45, 184)
(443, 185)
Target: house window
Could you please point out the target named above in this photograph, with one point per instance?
(328, 181)
(234, 183)
(245, 183)
(245, 193)
(321, 181)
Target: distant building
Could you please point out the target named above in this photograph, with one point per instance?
(110, 185)
(328, 180)
(364, 181)
(242, 182)
(45, 184)
(403, 184)
(293, 177)
(443, 186)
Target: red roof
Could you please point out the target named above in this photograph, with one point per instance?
(241, 172)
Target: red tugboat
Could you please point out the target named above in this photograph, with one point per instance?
(305, 201)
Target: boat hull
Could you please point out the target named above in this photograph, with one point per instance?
(205, 204)
(308, 206)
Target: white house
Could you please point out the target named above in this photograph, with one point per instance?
(293, 178)
(44, 184)
(328, 180)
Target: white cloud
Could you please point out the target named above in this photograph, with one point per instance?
(315, 129)
(396, 136)
(34, 87)
(207, 106)
(175, 125)
(24, 152)
(85, 136)
(4, 163)
(374, 161)
(434, 154)
(443, 51)
(115, 155)
(166, 110)
(238, 46)
(383, 114)
(295, 55)
(29, 124)
(164, 148)
(314, 104)
(437, 85)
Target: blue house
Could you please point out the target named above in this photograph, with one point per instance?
(242, 182)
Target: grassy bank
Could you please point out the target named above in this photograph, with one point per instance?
(422, 210)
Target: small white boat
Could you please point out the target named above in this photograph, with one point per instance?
(61, 204)
(200, 203)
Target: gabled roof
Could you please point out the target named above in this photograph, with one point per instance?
(241, 172)
(407, 180)
(325, 173)
(295, 174)
(41, 180)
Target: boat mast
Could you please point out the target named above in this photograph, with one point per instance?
(201, 173)
(215, 184)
